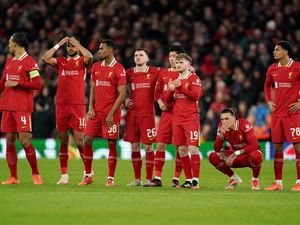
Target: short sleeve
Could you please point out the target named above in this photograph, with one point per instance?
(121, 75)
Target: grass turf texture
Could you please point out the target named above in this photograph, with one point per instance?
(96, 204)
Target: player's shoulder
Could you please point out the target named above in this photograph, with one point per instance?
(29, 59)
(96, 64)
(31, 63)
(153, 69)
(118, 65)
(273, 66)
(296, 64)
(244, 124)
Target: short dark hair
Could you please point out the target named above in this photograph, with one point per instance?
(177, 48)
(110, 43)
(286, 45)
(143, 49)
(232, 111)
(20, 39)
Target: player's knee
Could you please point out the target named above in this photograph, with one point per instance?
(148, 147)
(25, 142)
(213, 158)
(135, 147)
(64, 139)
(88, 141)
(183, 151)
(160, 147)
(278, 148)
(256, 157)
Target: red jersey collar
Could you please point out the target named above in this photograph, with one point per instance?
(288, 64)
(113, 62)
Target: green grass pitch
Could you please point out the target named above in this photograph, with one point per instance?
(96, 204)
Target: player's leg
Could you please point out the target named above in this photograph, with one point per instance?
(112, 161)
(149, 162)
(136, 160)
(79, 137)
(177, 171)
(255, 161)
(296, 187)
(63, 156)
(195, 164)
(278, 137)
(88, 160)
(186, 165)
(11, 158)
(24, 138)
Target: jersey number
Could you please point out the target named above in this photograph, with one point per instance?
(81, 122)
(193, 135)
(23, 120)
(151, 133)
(295, 131)
(113, 129)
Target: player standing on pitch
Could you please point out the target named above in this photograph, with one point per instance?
(108, 90)
(70, 96)
(285, 109)
(20, 77)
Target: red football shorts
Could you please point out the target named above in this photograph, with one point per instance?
(140, 129)
(286, 129)
(241, 160)
(70, 116)
(16, 122)
(165, 130)
(97, 127)
(186, 133)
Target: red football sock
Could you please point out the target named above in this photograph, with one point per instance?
(88, 158)
(63, 159)
(112, 158)
(31, 158)
(278, 165)
(149, 164)
(11, 158)
(298, 165)
(195, 163)
(178, 166)
(159, 162)
(186, 165)
(215, 160)
(137, 164)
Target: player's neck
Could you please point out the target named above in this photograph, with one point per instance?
(19, 52)
(108, 60)
(184, 74)
(284, 61)
(141, 68)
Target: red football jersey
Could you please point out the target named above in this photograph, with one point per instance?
(242, 137)
(186, 99)
(161, 91)
(286, 80)
(17, 98)
(142, 85)
(71, 80)
(107, 79)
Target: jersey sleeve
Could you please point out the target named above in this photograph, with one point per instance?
(218, 145)
(268, 85)
(250, 136)
(159, 87)
(93, 73)
(121, 75)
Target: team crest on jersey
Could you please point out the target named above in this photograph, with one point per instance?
(19, 68)
(110, 74)
(148, 76)
(290, 75)
(241, 137)
(77, 63)
(186, 85)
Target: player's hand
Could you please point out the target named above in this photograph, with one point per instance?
(171, 85)
(294, 106)
(63, 41)
(10, 83)
(177, 82)
(230, 159)
(271, 106)
(91, 114)
(162, 105)
(191, 69)
(223, 129)
(73, 41)
(222, 155)
(109, 120)
(128, 103)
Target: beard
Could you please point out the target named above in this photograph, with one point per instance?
(72, 55)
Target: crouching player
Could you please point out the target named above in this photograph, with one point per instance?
(245, 153)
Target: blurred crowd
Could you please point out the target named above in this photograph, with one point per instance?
(231, 43)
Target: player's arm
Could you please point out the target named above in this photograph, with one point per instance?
(194, 92)
(87, 55)
(91, 112)
(268, 90)
(118, 102)
(218, 145)
(34, 83)
(252, 142)
(2, 83)
(48, 56)
(158, 93)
